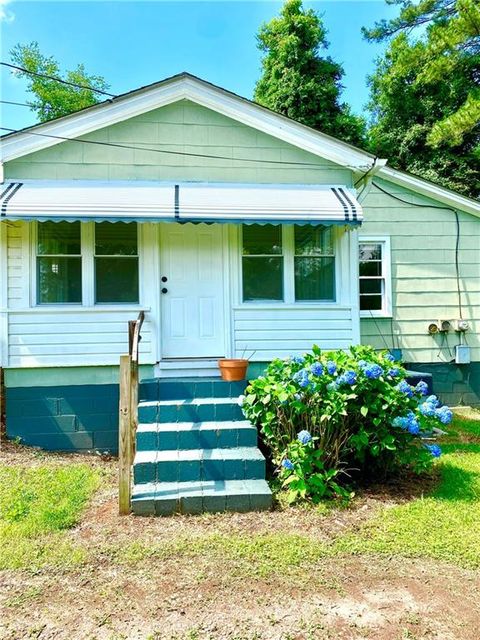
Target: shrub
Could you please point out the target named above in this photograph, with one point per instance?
(326, 414)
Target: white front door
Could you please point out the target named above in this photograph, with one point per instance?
(192, 293)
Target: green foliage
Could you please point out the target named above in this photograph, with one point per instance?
(53, 99)
(425, 96)
(299, 82)
(36, 505)
(325, 414)
(308, 478)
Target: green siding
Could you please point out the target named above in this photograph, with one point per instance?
(185, 127)
(424, 285)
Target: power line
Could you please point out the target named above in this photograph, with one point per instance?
(164, 151)
(18, 104)
(44, 75)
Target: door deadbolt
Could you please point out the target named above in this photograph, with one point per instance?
(164, 290)
(164, 278)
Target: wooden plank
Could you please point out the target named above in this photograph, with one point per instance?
(275, 313)
(299, 323)
(293, 335)
(125, 451)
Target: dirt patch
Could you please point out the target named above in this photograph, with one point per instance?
(349, 598)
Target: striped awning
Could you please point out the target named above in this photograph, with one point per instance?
(185, 202)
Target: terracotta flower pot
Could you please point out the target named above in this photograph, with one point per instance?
(233, 369)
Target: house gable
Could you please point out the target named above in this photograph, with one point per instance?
(221, 149)
(171, 90)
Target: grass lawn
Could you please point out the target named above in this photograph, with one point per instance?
(36, 505)
(400, 562)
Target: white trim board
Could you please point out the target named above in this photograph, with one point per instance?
(430, 190)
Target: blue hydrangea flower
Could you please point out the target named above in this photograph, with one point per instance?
(316, 369)
(331, 367)
(373, 370)
(388, 356)
(434, 450)
(444, 414)
(394, 372)
(301, 378)
(304, 437)
(407, 423)
(349, 377)
(288, 464)
(422, 387)
(362, 363)
(433, 400)
(332, 386)
(405, 388)
(298, 359)
(426, 409)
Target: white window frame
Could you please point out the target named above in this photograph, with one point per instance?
(288, 254)
(88, 272)
(386, 310)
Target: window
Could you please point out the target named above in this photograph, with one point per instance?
(59, 263)
(314, 263)
(116, 262)
(374, 272)
(87, 263)
(288, 263)
(262, 262)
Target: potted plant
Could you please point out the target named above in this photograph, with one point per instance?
(233, 369)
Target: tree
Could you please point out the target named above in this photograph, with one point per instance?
(425, 94)
(297, 80)
(53, 99)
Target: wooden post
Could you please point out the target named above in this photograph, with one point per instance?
(3, 427)
(125, 440)
(133, 404)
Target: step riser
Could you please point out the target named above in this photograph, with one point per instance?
(198, 470)
(196, 439)
(198, 504)
(189, 389)
(190, 413)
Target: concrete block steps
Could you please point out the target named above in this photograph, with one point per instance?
(195, 451)
(239, 463)
(191, 435)
(166, 498)
(191, 409)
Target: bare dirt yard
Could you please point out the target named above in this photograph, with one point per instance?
(257, 576)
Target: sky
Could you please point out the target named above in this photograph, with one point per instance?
(132, 44)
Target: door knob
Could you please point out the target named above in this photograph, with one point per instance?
(164, 290)
(164, 278)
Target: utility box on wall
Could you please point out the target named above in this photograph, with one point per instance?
(462, 354)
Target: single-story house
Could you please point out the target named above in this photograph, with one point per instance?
(237, 231)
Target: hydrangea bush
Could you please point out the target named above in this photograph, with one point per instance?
(327, 414)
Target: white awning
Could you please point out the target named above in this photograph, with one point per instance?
(183, 202)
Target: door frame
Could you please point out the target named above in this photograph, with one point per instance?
(227, 301)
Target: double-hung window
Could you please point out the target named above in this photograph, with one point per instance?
(314, 263)
(116, 263)
(262, 262)
(288, 263)
(98, 265)
(59, 263)
(374, 273)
